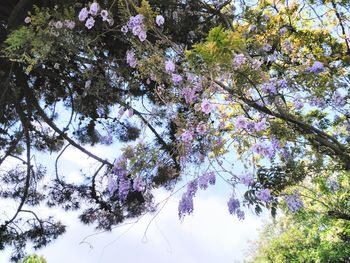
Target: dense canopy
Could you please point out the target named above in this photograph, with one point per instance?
(190, 90)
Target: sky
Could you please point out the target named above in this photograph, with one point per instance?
(211, 234)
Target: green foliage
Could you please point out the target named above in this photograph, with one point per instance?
(218, 47)
(34, 259)
(319, 232)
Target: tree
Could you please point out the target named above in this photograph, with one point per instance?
(201, 78)
(312, 233)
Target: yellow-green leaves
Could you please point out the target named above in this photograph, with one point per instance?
(219, 46)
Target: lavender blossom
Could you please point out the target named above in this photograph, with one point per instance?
(169, 66)
(176, 78)
(316, 68)
(131, 59)
(263, 195)
(83, 14)
(90, 22)
(185, 205)
(104, 15)
(233, 205)
(94, 8)
(159, 20)
(293, 201)
(206, 106)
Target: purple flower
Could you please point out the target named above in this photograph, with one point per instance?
(283, 30)
(136, 30)
(123, 188)
(112, 184)
(107, 140)
(142, 36)
(263, 149)
(104, 15)
(269, 87)
(287, 45)
(241, 122)
(316, 68)
(192, 188)
(338, 99)
(275, 142)
(238, 60)
(90, 22)
(240, 214)
(267, 48)
(206, 106)
(138, 184)
(263, 195)
(201, 128)
(83, 14)
(260, 126)
(252, 28)
(247, 179)
(211, 178)
(94, 8)
(294, 202)
(159, 20)
(189, 94)
(131, 59)
(332, 185)
(233, 205)
(169, 66)
(137, 27)
(176, 78)
(187, 136)
(206, 179)
(185, 205)
(318, 102)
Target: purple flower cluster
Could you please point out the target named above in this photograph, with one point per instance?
(238, 60)
(137, 27)
(201, 128)
(264, 149)
(338, 99)
(89, 15)
(241, 123)
(189, 95)
(131, 59)
(316, 68)
(293, 201)
(247, 179)
(269, 87)
(159, 20)
(186, 202)
(206, 106)
(234, 208)
(169, 66)
(206, 179)
(187, 136)
(263, 195)
(138, 184)
(176, 78)
(332, 185)
(267, 48)
(119, 182)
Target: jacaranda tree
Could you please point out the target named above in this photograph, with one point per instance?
(188, 88)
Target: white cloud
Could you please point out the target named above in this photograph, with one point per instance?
(211, 234)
